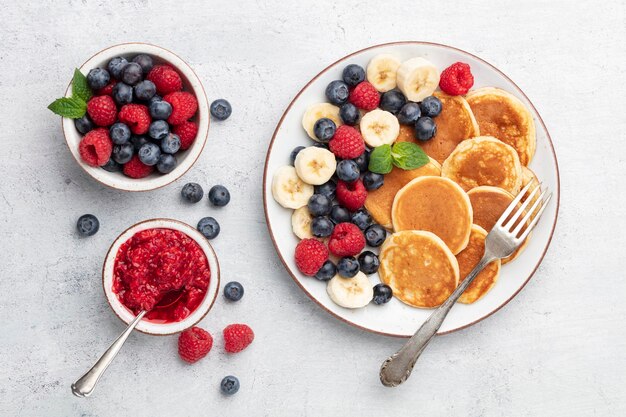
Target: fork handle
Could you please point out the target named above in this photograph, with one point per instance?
(397, 368)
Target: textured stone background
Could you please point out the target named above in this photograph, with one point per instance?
(558, 349)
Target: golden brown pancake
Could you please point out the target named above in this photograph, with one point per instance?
(437, 205)
(379, 201)
(468, 258)
(504, 116)
(419, 268)
(455, 123)
(484, 161)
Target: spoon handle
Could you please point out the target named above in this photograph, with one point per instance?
(86, 384)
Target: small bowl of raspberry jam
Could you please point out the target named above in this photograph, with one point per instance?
(165, 267)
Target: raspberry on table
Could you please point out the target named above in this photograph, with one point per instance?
(187, 132)
(96, 147)
(184, 106)
(310, 255)
(351, 195)
(347, 143)
(165, 78)
(137, 169)
(365, 96)
(136, 117)
(237, 337)
(194, 344)
(102, 110)
(457, 79)
(346, 240)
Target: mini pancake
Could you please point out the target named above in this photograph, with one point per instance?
(419, 267)
(379, 201)
(484, 161)
(437, 205)
(488, 204)
(468, 258)
(455, 123)
(504, 116)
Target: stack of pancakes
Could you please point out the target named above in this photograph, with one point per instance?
(442, 212)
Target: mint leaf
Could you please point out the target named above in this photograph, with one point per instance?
(80, 88)
(408, 155)
(71, 107)
(380, 160)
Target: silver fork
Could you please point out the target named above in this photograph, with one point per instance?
(505, 237)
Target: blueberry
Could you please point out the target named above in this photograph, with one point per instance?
(145, 62)
(170, 143)
(221, 109)
(145, 90)
(116, 65)
(382, 294)
(324, 129)
(363, 161)
(138, 141)
(192, 192)
(98, 78)
(321, 145)
(337, 92)
(373, 181)
(319, 205)
(353, 74)
(321, 226)
(83, 124)
(209, 227)
(327, 189)
(348, 266)
(149, 154)
(119, 133)
(122, 93)
(87, 225)
(160, 110)
(294, 153)
(349, 114)
(361, 218)
(132, 73)
(348, 170)
(425, 128)
(327, 271)
(219, 195)
(392, 101)
(369, 262)
(158, 129)
(229, 385)
(123, 153)
(154, 98)
(431, 106)
(166, 163)
(409, 113)
(339, 214)
(112, 166)
(233, 291)
(375, 235)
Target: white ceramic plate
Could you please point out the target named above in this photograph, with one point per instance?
(396, 318)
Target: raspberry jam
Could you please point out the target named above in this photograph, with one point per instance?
(151, 265)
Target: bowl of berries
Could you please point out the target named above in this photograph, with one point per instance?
(135, 116)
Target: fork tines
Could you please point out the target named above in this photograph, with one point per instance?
(509, 222)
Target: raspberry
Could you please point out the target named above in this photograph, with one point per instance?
(237, 337)
(310, 256)
(347, 143)
(364, 96)
(184, 105)
(137, 169)
(136, 116)
(187, 132)
(457, 79)
(107, 90)
(102, 110)
(165, 78)
(351, 195)
(95, 148)
(346, 240)
(194, 344)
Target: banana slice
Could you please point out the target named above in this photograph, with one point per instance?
(289, 190)
(355, 292)
(417, 78)
(315, 165)
(316, 112)
(381, 72)
(301, 222)
(379, 127)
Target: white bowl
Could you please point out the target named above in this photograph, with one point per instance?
(186, 158)
(146, 326)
